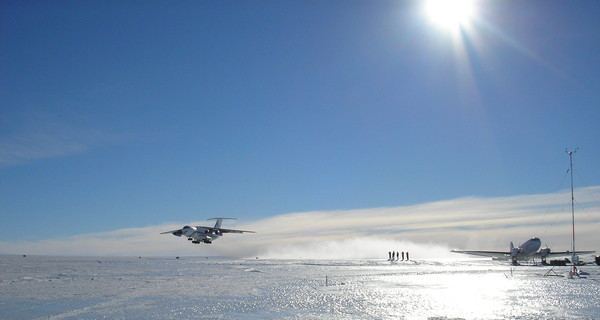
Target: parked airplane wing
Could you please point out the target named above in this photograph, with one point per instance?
(494, 254)
(568, 253)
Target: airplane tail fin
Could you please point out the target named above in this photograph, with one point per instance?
(218, 223)
(512, 246)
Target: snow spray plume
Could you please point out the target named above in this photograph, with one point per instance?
(356, 248)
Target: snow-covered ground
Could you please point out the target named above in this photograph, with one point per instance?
(36, 287)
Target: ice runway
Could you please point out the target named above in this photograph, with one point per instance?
(35, 287)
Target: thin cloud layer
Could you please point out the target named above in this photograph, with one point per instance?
(427, 231)
(41, 136)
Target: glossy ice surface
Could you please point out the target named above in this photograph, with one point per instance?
(35, 287)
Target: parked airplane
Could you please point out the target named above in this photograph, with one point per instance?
(528, 250)
(205, 234)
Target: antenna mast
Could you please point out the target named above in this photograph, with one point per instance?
(574, 256)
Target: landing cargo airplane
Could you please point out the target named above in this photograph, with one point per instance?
(528, 250)
(205, 234)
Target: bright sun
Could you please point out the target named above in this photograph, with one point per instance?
(452, 14)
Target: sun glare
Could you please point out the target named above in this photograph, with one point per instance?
(451, 14)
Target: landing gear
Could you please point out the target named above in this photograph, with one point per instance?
(194, 241)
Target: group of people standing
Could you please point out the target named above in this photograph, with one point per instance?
(395, 256)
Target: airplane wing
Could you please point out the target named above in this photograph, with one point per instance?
(177, 232)
(493, 254)
(234, 231)
(203, 229)
(569, 253)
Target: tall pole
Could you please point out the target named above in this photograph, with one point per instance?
(572, 208)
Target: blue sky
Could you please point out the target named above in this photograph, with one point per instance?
(123, 115)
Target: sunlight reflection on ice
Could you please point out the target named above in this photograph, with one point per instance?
(481, 295)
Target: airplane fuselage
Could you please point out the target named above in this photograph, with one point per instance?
(527, 249)
(197, 236)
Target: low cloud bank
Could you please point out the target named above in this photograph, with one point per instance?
(427, 230)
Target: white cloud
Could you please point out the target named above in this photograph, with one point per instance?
(427, 230)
